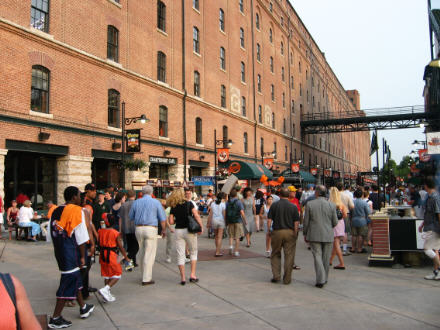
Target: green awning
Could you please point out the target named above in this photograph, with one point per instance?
(303, 176)
(307, 177)
(248, 171)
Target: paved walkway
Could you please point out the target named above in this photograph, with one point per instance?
(237, 294)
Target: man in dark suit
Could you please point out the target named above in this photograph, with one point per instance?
(320, 218)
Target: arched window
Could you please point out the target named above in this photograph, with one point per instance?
(199, 135)
(258, 52)
(240, 5)
(291, 82)
(113, 108)
(40, 89)
(161, 66)
(282, 73)
(262, 146)
(112, 43)
(282, 48)
(245, 142)
(222, 58)
(243, 106)
(225, 136)
(257, 21)
(284, 125)
(275, 150)
(260, 114)
(161, 16)
(259, 83)
(196, 83)
(270, 35)
(284, 100)
(242, 37)
(292, 106)
(223, 96)
(196, 40)
(285, 153)
(222, 20)
(273, 120)
(272, 92)
(163, 121)
(243, 72)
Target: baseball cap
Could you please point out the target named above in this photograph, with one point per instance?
(100, 192)
(90, 186)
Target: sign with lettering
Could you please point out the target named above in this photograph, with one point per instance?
(133, 140)
(423, 155)
(203, 180)
(163, 160)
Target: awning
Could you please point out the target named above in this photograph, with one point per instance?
(298, 176)
(307, 177)
(248, 171)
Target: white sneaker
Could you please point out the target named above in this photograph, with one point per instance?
(168, 260)
(105, 293)
(231, 250)
(236, 254)
(267, 254)
(187, 260)
(112, 297)
(433, 276)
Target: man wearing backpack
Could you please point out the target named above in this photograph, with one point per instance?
(234, 219)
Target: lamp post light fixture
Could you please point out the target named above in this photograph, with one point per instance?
(416, 142)
(126, 122)
(268, 154)
(227, 143)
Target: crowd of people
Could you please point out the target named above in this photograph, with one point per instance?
(111, 222)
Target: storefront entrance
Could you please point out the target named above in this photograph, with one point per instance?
(106, 172)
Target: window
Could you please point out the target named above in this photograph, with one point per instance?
(242, 37)
(284, 100)
(40, 15)
(40, 89)
(285, 153)
(199, 135)
(222, 20)
(243, 106)
(243, 72)
(112, 43)
(313, 101)
(271, 64)
(271, 7)
(113, 108)
(273, 120)
(307, 96)
(161, 16)
(259, 83)
(257, 21)
(275, 149)
(282, 73)
(282, 48)
(291, 58)
(258, 53)
(245, 143)
(300, 90)
(299, 66)
(225, 134)
(163, 121)
(240, 4)
(282, 21)
(196, 39)
(196, 83)
(260, 114)
(292, 86)
(196, 4)
(293, 134)
(222, 58)
(223, 96)
(284, 126)
(262, 146)
(272, 92)
(307, 74)
(161, 66)
(292, 106)
(270, 35)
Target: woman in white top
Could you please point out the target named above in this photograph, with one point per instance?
(267, 223)
(216, 220)
(25, 216)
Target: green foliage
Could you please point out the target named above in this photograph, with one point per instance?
(134, 164)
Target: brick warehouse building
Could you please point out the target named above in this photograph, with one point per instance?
(245, 68)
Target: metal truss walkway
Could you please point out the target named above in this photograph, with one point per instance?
(367, 120)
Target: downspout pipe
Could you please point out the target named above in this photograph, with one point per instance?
(253, 82)
(184, 93)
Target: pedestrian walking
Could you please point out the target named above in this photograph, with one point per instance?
(234, 219)
(285, 224)
(339, 230)
(216, 221)
(171, 232)
(359, 229)
(267, 223)
(431, 228)
(181, 209)
(347, 200)
(128, 227)
(259, 202)
(146, 214)
(320, 218)
(249, 212)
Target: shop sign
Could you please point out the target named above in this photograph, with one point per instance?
(203, 180)
(423, 155)
(223, 155)
(163, 160)
(166, 183)
(433, 143)
(294, 167)
(177, 183)
(151, 182)
(313, 171)
(133, 140)
(327, 173)
(190, 184)
(234, 167)
(243, 183)
(268, 163)
(336, 175)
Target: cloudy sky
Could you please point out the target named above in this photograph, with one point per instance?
(379, 48)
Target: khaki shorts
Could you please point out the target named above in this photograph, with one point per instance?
(359, 231)
(432, 240)
(235, 230)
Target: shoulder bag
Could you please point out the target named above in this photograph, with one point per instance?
(193, 225)
(10, 288)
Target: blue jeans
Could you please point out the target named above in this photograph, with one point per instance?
(35, 228)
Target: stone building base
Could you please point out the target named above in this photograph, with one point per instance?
(73, 171)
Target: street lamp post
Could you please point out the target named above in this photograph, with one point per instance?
(416, 142)
(224, 142)
(126, 122)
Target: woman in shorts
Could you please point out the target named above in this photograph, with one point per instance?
(267, 223)
(216, 221)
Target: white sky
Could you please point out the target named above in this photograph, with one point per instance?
(380, 48)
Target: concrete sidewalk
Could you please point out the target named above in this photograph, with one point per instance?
(238, 293)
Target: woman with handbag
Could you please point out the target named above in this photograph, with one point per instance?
(188, 225)
(339, 230)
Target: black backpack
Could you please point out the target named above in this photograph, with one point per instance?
(9, 286)
(233, 212)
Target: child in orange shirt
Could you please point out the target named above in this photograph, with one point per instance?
(110, 242)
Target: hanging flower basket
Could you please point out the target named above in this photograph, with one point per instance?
(134, 165)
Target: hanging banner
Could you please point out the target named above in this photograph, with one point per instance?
(223, 155)
(327, 173)
(423, 155)
(336, 175)
(313, 171)
(294, 167)
(268, 163)
(234, 167)
(133, 140)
